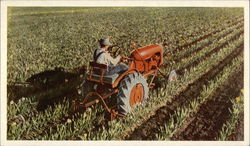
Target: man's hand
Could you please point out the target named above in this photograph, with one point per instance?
(119, 57)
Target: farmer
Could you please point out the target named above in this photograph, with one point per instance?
(102, 56)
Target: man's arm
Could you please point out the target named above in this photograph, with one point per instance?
(113, 61)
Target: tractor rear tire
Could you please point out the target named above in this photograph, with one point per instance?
(133, 89)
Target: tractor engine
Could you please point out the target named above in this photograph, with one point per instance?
(147, 58)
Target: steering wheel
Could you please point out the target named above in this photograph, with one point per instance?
(115, 52)
(124, 59)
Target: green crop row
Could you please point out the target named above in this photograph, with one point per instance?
(195, 36)
(202, 35)
(90, 136)
(78, 128)
(21, 108)
(186, 61)
(177, 119)
(36, 122)
(203, 42)
(85, 121)
(139, 113)
(42, 42)
(66, 40)
(236, 112)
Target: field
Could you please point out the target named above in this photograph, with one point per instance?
(49, 50)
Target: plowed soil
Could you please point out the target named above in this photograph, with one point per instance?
(149, 128)
(207, 44)
(204, 37)
(206, 124)
(208, 54)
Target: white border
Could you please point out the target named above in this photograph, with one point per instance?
(147, 3)
(102, 3)
(246, 74)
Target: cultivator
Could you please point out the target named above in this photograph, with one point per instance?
(130, 87)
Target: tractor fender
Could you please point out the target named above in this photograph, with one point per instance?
(117, 81)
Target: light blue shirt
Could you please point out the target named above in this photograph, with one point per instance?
(105, 58)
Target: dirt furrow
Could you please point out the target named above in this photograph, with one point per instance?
(183, 69)
(35, 85)
(62, 120)
(149, 128)
(41, 92)
(199, 49)
(207, 44)
(211, 116)
(202, 38)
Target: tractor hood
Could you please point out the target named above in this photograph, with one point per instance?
(147, 52)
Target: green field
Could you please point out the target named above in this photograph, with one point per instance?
(204, 46)
(39, 42)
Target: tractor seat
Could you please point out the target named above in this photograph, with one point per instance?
(110, 79)
(97, 72)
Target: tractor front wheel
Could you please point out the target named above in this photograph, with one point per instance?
(133, 90)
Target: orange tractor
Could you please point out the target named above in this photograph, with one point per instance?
(130, 87)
